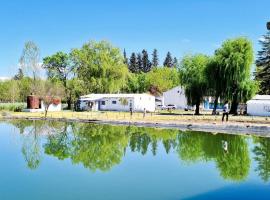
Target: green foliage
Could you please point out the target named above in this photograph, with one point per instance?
(234, 60)
(58, 67)
(192, 77)
(155, 58)
(162, 78)
(168, 62)
(146, 64)
(262, 74)
(100, 66)
(233, 164)
(262, 157)
(15, 107)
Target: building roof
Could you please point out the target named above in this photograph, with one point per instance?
(261, 97)
(175, 88)
(100, 96)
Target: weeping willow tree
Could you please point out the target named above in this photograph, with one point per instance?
(233, 62)
(193, 79)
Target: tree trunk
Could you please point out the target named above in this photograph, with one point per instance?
(69, 104)
(215, 106)
(234, 106)
(197, 110)
(46, 112)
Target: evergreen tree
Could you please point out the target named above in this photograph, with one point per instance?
(168, 62)
(175, 62)
(19, 75)
(139, 65)
(146, 64)
(133, 63)
(125, 57)
(262, 74)
(155, 58)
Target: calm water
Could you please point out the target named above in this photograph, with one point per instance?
(49, 160)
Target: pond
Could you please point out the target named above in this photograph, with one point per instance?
(58, 160)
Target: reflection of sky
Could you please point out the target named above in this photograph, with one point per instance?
(163, 176)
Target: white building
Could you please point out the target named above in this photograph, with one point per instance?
(117, 102)
(259, 105)
(52, 108)
(175, 96)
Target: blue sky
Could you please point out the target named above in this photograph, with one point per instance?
(187, 26)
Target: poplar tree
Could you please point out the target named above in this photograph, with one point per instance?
(262, 74)
(125, 57)
(168, 62)
(146, 64)
(155, 58)
(139, 65)
(133, 63)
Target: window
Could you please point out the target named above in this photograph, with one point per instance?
(113, 102)
(102, 102)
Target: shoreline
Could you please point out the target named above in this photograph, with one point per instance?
(240, 128)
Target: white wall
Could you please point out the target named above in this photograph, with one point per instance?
(52, 107)
(138, 103)
(175, 96)
(258, 107)
(118, 106)
(145, 101)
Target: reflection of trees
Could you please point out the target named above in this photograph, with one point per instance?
(31, 132)
(233, 164)
(103, 146)
(95, 146)
(262, 157)
(98, 146)
(142, 138)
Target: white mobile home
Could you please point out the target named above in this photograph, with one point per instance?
(259, 105)
(117, 102)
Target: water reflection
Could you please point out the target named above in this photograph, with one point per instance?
(101, 147)
(232, 163)
(262, 157)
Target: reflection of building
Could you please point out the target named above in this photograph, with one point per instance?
(117, 102)
(259, 105)
(35, 104)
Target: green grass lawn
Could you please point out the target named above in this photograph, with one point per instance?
(162, 117)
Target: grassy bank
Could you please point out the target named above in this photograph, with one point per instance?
(162, 117)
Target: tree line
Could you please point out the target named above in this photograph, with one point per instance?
(99, 67)
(140, 62)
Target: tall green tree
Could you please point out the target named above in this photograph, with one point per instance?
(234, 59)
(146, 64)
(216, 81)
(30, 63)
(59, 68)
(139, 63)
(155, 58)
(100, 66)
(262, 74)
(193, 79)
(175, 62)
(133, 63)
(168, 62)
(125, 57)
(161, 79)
